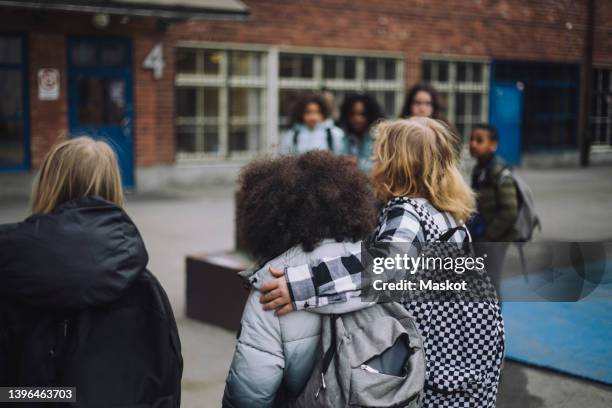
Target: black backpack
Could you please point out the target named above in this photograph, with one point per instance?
(124, 353)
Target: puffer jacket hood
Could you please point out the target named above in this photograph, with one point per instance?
(86, 252)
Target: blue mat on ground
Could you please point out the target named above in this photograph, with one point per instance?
(573, 338)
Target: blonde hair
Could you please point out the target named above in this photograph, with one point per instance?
(77, 168)
(416, 158)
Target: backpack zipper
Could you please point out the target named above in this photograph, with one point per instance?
(322, 386)
(369, 369)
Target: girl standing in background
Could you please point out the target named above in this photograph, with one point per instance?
(357, 115)
(422, 100)
(310, 128)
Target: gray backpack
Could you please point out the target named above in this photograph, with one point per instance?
(368, 358)
(527, 219)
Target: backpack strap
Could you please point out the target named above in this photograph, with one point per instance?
(329, 353)
(330, 139)
(431, 229)
(296, 133)
(452, 231)
(506, 172)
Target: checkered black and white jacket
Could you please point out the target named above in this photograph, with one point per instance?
(464, 341)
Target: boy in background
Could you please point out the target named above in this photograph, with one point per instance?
(496, 201)
(496, 195)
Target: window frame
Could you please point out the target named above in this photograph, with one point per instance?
(24, 67)
(595, 115)
(451, 87)
(224, 81)
(271, 85)
(359, 84)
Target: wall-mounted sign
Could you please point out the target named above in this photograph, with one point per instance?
(155, 61)
(48, 84)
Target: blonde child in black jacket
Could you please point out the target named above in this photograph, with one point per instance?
(78, 308)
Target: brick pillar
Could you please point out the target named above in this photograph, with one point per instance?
(48, 119)
(154, 105)
(145, 104)
(166, 136)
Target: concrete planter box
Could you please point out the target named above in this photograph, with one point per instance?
(215, 293)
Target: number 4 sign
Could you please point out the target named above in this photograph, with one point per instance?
(155, 61)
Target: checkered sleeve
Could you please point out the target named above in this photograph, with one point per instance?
(337, 280)
(330, 281)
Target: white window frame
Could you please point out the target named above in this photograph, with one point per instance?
(223, 82)
(271, 84)
(452, 87)
(359, 84)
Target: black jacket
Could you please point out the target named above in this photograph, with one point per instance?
(78, 308)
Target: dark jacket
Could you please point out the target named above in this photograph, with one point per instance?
(78, 308)
(496, 200)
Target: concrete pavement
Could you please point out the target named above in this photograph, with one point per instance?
(574, 204)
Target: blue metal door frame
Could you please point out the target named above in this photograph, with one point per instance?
(23, 66)
(505, 114)
(119, 137)
(541, 76)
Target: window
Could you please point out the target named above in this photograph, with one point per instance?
(107, 53)
(14, 149)
(380, 77)
(222, 95)
(463, 88)
(101, 101)
(296, 66)
(550, 108)
(601, 107)
(220, 100)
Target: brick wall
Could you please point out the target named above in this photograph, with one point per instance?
(48, 119)
(506, 29)
(509, 29)
(153, 99)
(603, 32)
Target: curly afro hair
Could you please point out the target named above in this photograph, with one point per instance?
(298, 109)
(373, 111)
(301, 200)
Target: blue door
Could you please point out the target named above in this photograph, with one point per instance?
(505, 114)
(14, 109)
(100, 95)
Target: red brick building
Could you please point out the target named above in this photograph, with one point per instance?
(187, 91)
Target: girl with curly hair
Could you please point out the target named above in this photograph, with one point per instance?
(311, 128)
(291, 210)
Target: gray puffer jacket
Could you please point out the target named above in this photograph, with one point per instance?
(279, 352)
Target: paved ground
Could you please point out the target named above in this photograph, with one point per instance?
(574, 204)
